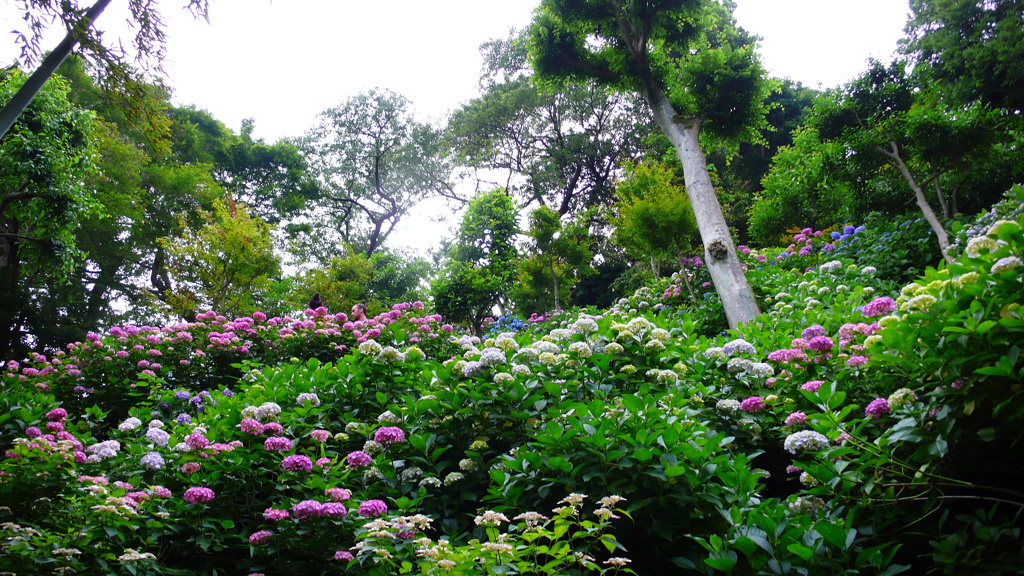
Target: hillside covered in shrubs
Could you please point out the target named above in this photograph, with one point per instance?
(865, 423)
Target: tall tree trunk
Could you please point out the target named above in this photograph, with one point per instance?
(719, 250)
(922, 201)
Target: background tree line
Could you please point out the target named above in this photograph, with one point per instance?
(571, 189)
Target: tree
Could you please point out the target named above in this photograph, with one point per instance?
(120, 79)
(559, 255)
(375, 163)
(653, 219)
(880, 120)
(227, 265)
(44, 161)
(975, 49)
(554, 146)
(695, 69)
(481, 264)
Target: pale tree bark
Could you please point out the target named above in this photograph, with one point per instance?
(893, 153)
(719, 250)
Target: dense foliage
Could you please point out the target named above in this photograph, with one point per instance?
(629, 439)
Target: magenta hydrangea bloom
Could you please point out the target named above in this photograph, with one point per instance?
(389, 434)
(272, 428)
(198, 494)
(752, 404)
(320, 435)
(343, 555)
(879, 306)
(297, 463)
(338, 494)
(33, 432)
(251, 426)
(812, 331)
(856, 361)
(796, 418)
(260, 537)
(334, 510)
(877, 408)
(358, 458)
(57, 414)
(820, 344)
(308, 509)
(276, 514)
(372, 508)
(279, 443)
(812, 386)
(197, 441)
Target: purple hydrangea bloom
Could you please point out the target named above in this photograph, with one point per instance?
(877, 408)
(308, 509)
(796, 418)
(278, 443)
(297, 463)
(389, 434)
(358, 458)
(372, 508)
(752, 404)
(878, 307)
(198, 494)
(260, 537)
(821, 344)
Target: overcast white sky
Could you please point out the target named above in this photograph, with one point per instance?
(282, 62)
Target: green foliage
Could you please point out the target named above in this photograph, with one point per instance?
(973, 48)
(228, 264)
(482, 261)
(560, 255)
(654, 219)
(45, 160)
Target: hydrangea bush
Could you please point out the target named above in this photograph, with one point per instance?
(638, 439)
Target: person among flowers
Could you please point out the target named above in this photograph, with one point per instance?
(358, 312)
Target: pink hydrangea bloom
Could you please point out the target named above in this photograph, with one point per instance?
(260, 537)
(323, 462)
(197, 441)
(250, 426)
(198, 494)
(878, 307)
(877, 408)
(820, 344)
(372, 508)
(752, 404)
(272, 428)
(856, 361)
(334, 510)
(57, 414)
(796, 418)
(308, 509)
(338, 494)
(358, 458)
(344, 555)
(278, 443)
(190, 467)
(320, 435)
(812, 386)
(275, 514)
(389, 434)
(297, 463)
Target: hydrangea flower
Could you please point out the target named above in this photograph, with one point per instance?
(728, 406)
(358, 458)
(277, 443)
(805, 441)
(343, 555)
(308, 397)
(250, 426)
(130, 424)
(338, 494)
(198, 494)
(372, 508)
(879, 307)
(320, 435)
(308, 509)
(738, 346)
(877, 408)
(796, 418)
(276, 514)
(257, 538)
(752, 404)
(197, 441)
(152, 460)
(388, 435)
(297, 463)
(1006, 264)
(812, 386)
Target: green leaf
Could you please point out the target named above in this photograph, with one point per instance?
(723, 564)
